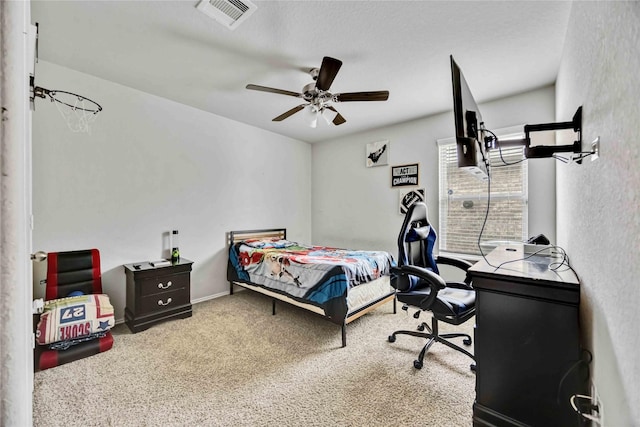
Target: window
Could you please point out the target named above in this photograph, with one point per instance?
(463, 199)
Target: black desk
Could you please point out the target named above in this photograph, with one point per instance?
(526, 341)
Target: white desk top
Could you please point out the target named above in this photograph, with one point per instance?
(510, 260)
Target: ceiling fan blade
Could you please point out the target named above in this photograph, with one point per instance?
(382, 95)
(328, 71)
(273, 90)
(291, 112)
(338, 120)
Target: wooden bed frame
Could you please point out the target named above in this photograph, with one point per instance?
(281, 233)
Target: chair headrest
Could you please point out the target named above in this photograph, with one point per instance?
(418, 233)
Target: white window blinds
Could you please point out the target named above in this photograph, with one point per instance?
(463, 200)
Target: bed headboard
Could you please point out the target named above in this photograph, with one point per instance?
(238, 235)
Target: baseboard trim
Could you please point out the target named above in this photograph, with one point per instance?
(198, 300)
(209, 297)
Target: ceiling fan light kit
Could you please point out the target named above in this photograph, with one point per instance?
(311, 115)
(328, 115)
(317, 95)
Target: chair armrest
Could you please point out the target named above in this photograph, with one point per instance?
(455, 262)
(460, 285)
(458, 263)
(434, 281)
(426, 275)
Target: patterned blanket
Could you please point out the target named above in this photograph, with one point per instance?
(314, 274)
(72, 318)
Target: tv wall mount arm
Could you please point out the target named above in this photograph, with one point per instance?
(544, 151)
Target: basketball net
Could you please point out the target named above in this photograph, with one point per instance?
(77, 111)
(79, 116)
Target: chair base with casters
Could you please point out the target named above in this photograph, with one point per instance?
(433, 336)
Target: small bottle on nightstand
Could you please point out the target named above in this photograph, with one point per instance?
(175, 250)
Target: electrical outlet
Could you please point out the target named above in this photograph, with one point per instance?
(598, 413)
(595, 149)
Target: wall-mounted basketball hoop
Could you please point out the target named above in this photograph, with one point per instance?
(78, 111)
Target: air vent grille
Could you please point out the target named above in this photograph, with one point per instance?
(229, 13)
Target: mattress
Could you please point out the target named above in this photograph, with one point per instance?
(330, 281)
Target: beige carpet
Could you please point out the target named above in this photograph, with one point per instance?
(234, 364)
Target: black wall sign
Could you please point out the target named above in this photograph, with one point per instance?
(404, 175)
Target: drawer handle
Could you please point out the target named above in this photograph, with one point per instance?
(165, 303)
(161, 286)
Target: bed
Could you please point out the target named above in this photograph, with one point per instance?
(339, 285)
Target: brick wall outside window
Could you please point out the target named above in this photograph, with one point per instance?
(463, 202)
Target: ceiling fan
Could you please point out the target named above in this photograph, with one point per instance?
(317, 97)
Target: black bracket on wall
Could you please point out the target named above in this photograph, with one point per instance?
(541, 151)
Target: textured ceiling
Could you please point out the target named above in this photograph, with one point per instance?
(170, 49)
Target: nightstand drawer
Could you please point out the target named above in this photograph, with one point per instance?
(164, 301)
(167, 283)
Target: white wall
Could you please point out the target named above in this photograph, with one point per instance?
(598, 202)
(151, 165)
(355, 206)
(16, 353)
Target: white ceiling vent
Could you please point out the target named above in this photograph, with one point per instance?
(229, 13)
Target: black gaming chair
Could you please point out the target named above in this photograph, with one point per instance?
(418, 284)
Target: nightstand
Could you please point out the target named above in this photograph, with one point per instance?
(156, 294)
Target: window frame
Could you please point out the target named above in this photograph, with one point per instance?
(513, 132)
